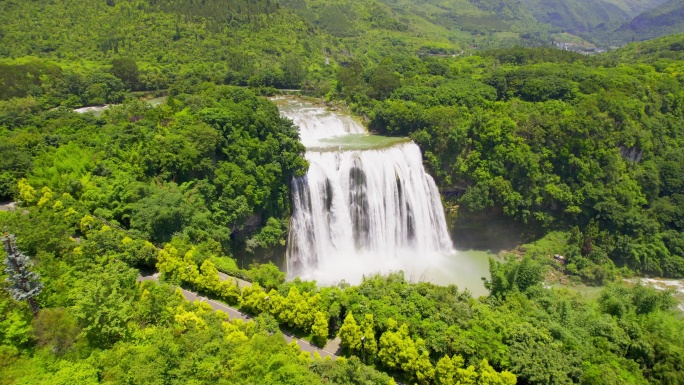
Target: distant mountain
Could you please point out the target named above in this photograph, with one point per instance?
(435, 26)
(469, 15)
(635, 7)
(665, 19)
(604, 22)
(577, 16)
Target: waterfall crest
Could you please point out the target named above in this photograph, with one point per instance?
(360, 211)
(316, 123)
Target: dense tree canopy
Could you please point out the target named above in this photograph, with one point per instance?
(586, 149)
(214, 165)
(552, 139)
(91, 306)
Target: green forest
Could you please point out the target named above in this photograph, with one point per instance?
(585, 153)
(590, 146)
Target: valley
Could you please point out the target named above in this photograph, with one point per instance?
(477, 192)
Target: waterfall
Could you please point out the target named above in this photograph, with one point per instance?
(360, 211)
(317, 123)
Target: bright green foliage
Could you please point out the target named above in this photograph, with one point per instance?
(267, 275)
(100, 304)
(203, 167)
(444, 371)
(350, 333)
(399, 351)
(319, 329)
(234, 331)
(110, 327)
(488, 376)
(451, 372)
(513, 276)
(56, 329)
(370, 345)
(299, 310)
(254, 299)
(447, 370)
(15, 328)
(422, 368)
(391, 346)
(552, 139)
(467, 376)
(350, 371)
(190, 321)
(209, 278)
(69, 373)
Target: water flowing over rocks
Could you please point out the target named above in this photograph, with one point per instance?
(360, 210)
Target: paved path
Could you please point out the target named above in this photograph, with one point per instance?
(240, 282)
(334, 345)
(235, 313)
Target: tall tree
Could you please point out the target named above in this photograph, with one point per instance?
(320, 328)
(24, 284)
(350, 333)
(127, 70)
(370, 345)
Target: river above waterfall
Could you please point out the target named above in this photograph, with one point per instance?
(367, 206)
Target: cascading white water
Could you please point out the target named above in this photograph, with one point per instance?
(358, 212)
(316, 123)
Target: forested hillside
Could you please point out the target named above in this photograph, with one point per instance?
(609, 23)
(552, 139)
(578, 16)
(584, 150)
(580, 144)
(665, 19)
(661, 53)
(209, 165)
(430, 26)
(97, 325)
(242, 42)
(240, 34)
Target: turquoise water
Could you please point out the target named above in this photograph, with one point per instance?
(465, 269)
(358, 142)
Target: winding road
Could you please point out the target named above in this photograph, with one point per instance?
(327, 351)
(331, 349)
